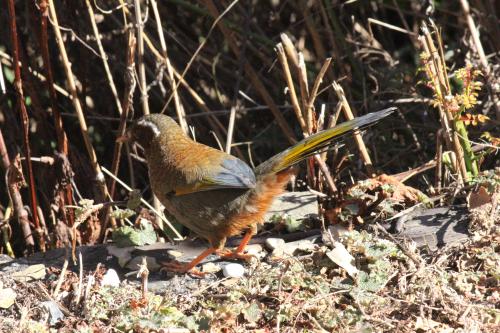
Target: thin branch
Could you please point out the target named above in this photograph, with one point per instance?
(14, 195)
(24, 120)
(62, 139)
(140, 57)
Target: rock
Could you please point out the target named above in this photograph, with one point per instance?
(306, 245)
(254, 249)
(434, 227)
(5, 259)
(274, 243)
(31, 273)
(298, 205)
(233, 270)
(277, 253)
(152, 263)
(7, 298)
(123, 254)
(210, 267)
(110, 279)
(127, 259)
(52, 311)
(174, 254)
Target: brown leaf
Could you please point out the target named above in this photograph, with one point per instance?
(478, 198)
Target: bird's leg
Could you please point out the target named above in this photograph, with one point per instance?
(178, 267)
(238, 253)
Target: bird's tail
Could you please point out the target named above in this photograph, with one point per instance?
(317, 143)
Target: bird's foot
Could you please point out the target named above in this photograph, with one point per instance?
(233, 254)
(178, 267)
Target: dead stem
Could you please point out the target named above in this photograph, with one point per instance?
(77, 105)
(24, 122)
(357, 136)
(179, 109)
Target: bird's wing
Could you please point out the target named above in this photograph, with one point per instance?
(232, 173)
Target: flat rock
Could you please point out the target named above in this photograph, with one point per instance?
(52, 311)
(298, 205)
(434, 227)
(7, 298)
(30, 273)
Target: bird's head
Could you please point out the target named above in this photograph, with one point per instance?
(151, 128)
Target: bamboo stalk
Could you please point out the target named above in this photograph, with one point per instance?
(76, 103)
(291, 88)
(179, 109)
(357, 136)
(104, 57)
(438, 74)
(140, 57)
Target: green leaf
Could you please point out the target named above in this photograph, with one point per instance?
(129, 236)
(252, 313)
(122, 213)
(9, 74)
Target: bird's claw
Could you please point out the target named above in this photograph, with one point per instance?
(230, 254)
(177, 267)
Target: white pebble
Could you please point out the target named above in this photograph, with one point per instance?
(110, 279)
(233, 270)
(275, 243)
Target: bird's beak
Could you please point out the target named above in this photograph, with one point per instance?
(123, 138)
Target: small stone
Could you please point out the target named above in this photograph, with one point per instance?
(33, 272)
(233, 270)
(123, 254)
(174, 254)
(277, 253)
(210, 267)
(153, 265)
(7, 298)
(53, 312)
(274, 243)
(254, 249)
(110, 279)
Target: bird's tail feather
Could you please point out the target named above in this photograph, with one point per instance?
(318, 142)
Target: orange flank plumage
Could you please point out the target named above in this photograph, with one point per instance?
(258, 204)
(217, 195)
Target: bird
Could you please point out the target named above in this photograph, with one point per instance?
(217, 195)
